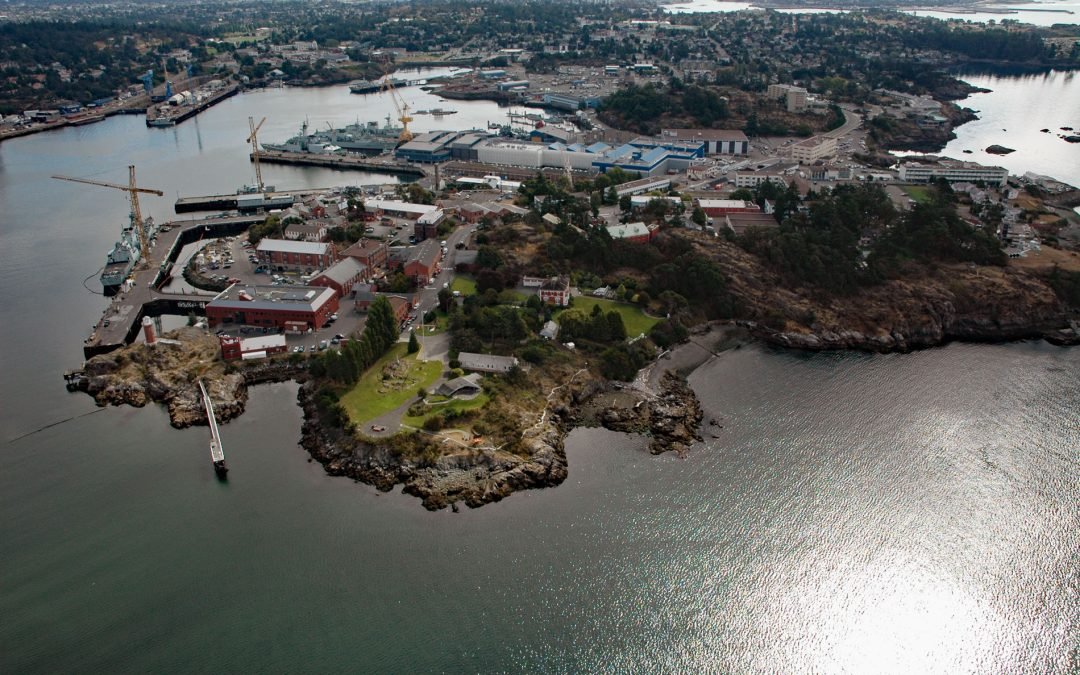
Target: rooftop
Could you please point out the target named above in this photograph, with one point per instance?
(303, 298)
(293, 246)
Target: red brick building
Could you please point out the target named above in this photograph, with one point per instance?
(341, 276)
(370, 253)
(423, 261)
(233, 348)
(273, 306)
(556, 291)
(296, 255)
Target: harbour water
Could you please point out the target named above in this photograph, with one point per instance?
(1037, 13)
(855, 513)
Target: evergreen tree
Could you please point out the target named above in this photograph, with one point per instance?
(414, 344)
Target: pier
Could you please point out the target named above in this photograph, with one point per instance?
(119, 324)
(155, 119)
(347, 162)
(217, 452)
(229, 202)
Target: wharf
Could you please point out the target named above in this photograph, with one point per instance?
(154, 119)
(229, 202)
(340, 162)
(119, 323)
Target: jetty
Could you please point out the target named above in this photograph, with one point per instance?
(346, 162)
(140, 297)
(243, 201)
(156, 119)
(217, 453)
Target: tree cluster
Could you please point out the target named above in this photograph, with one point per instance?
(347, 365)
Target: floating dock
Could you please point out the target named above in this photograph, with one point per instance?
(346, 162)
(139, 297)
(217, 452)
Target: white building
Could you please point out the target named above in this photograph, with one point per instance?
(794, 97)
(810, 150)
(717, 141)
(914, 172)
(752, 179)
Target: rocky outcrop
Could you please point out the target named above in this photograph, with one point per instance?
(168, 373)
(999, 150)
(670, 417)
(439, 477)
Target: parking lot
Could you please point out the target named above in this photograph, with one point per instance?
(245, 269)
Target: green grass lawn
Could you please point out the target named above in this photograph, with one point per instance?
(922, 195)
(364, 402)
(463, 285)
(461, 405)
(635, 320)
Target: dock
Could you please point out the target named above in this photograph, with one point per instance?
(217, 452)
(119, 324)
(345, 162)
(154, 119)
(230, 202)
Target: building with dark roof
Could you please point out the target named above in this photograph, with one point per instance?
(422, 261)
(370, 253)
(288, 254)
(341, 276)
(287, 307)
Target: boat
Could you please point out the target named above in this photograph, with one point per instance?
(363, 137)
(439, 112)
(123, 257)
(364, 86)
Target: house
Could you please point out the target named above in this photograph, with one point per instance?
(550, 331)
(401, 306)
(422, 261)
(639, 232)
(370, 253)
(467, 385)
(555, 291)
(259, 347)
(486, 363)
(341, 276)
(308, 231)
(363, 296)
(290, 308)
(287, 254)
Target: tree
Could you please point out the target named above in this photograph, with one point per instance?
(699, 217)
(414, 344)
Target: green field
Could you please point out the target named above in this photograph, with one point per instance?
(922, 195)
(635, 320)
(364, 402)
(463, 285)
(461, 405)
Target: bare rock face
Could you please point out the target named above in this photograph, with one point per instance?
(169, 374)
(473, 476)
(671, 418)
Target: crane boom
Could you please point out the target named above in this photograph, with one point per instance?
(401, 106)
(254, 140)
(133, 191)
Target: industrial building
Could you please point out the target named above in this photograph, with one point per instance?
(370, 253)
(286, 254)
(342, 276)
(810, 150)
(717, 141)
(295, 308)
(422, 261)
(636, 187)
(739, 223)
(914, 172)
(721, 207)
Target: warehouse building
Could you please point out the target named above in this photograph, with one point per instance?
(296, 308)
(342, 276)
(721, 207)
(259, 347)
(717, 141)
(285, 254)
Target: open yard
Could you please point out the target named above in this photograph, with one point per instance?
(463, 285)
(391, 382)
(635, 320)
(920, 194)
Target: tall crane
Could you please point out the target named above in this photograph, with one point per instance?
(254, 140)
(401, 106)
(133, 191)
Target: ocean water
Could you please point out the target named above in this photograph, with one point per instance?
(855, 513)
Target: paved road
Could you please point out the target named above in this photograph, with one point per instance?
(852, 120)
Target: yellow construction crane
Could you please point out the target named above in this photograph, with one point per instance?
(402, 109)
(133, 191)
(254, 140)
